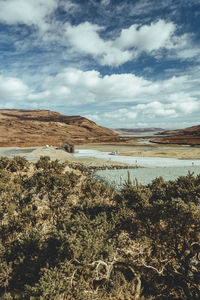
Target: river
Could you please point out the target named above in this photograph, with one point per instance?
(138, 161)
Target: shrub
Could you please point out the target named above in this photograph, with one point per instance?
(67, 236)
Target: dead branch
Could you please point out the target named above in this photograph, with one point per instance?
(153, 268)
(72, 277)
(99, 263)
(138, 288)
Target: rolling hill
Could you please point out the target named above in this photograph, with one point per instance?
(40, 127)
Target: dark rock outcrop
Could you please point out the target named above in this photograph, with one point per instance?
(69, 147)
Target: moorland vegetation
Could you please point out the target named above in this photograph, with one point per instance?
(64, 235)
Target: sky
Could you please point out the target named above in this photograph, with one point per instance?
(120, 63)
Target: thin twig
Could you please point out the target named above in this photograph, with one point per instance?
(72, 277)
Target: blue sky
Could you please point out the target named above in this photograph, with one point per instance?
(120, 63)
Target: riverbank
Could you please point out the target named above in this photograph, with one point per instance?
(143, 149)
(32, 154)
(98, 156)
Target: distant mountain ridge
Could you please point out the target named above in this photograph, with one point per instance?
(40, 127)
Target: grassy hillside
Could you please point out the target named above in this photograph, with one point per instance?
(65, 236)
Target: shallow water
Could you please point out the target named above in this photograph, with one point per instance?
(144, 175)
(143, 135)
(144, 142)
(139, 161)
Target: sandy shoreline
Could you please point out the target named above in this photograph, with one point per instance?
(34, 153)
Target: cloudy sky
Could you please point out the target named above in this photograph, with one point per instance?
(120, 63)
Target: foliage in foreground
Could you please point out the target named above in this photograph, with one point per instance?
(66, 236)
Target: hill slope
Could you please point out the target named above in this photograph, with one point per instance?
(188, 136)
(40, 127)
(194, 130)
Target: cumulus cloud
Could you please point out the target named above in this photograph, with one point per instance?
(88, 39)
(147, 37)
(136, 99)
(69, 6)
(74, 86)
(146, 100)
(31, 12)
(90, 86)
(148, 112)
(85, 38)
(186, 53)
(12, 89)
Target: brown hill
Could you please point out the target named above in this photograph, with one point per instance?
(194, 130)
(186, 136)
(40, 127)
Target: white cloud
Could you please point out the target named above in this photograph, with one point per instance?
(85, 38)
(188, 53)
(135, 98)
(29, 12)
(184, 48)
(12, 89)
(58, 94)
(93, 117)
(180, 97)
(69, 6)
(78, 78)
(90, 86)
(115, 57)
(151, 111)
(147, 37)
